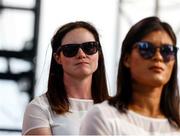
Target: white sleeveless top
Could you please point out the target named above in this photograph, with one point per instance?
(38, 114)
(104, 119)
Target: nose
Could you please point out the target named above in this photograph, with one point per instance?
(81, 53)
(157, 56)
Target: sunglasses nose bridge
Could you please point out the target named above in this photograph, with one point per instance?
(157, 53)
(78, 47)
(81, 46)
(80, 51)
(157, 49)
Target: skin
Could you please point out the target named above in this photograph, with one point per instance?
(82, 65)
(149, 76)
(40, 131)
(78, 70)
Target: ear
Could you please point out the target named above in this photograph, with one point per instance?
(126, 61)
(57, 58)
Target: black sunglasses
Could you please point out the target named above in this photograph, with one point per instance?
(147, 50)
(70, 50)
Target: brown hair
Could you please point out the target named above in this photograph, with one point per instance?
(170, 98)
(56, 92)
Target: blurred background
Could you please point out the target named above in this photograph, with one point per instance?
(26, 28)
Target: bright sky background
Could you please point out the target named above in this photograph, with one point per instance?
(111, 24)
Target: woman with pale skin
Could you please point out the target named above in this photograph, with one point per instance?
(77, 80)
(147, 102)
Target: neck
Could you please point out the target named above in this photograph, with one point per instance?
(146, 101)
(78, 88)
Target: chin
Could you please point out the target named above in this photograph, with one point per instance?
(84, 73)
(154, 80)
(158, 82)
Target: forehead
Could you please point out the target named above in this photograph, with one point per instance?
(78, 35)
(158, 37)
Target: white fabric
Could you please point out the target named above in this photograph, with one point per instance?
(104, 119)
(38, 114)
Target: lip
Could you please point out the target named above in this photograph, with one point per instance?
(156, 68)
(82, 63)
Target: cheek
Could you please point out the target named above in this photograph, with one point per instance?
(65, 62)
(95, 59)
(138, 67)
(169, 70)
(136, 63)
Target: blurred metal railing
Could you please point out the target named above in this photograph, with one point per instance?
(26, 54)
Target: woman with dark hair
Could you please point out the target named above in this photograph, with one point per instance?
(77, 80)
(147, 100)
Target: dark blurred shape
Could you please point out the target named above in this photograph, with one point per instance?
(24, 78)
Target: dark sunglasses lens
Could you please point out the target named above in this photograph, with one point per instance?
(70, 50)
(168, 52)
(146, 50)
(90, 48)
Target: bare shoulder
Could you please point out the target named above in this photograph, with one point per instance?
(39, 131)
